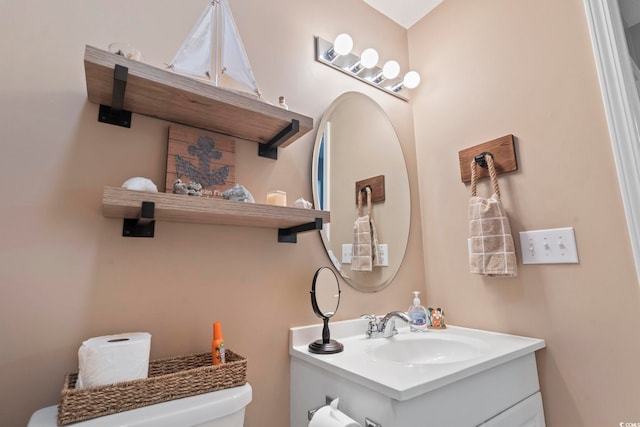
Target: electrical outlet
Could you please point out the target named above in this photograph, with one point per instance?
(554, 246)
(347, 252)
(383, 255)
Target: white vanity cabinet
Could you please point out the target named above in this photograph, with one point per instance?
(499, 388)
(527, 413)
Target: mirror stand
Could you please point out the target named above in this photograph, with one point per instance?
(326, 345)
(325, 299)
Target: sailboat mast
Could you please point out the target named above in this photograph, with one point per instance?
(216, 39)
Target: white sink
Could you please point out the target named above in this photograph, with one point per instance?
(410, 363)
(426, 348)
(418, 378)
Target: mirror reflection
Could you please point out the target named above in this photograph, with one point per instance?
(327, 293)
(356, 142)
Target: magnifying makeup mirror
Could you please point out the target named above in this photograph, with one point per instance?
(325, 298)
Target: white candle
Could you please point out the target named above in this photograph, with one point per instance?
(277, 198)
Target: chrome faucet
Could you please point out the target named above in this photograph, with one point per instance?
(384, 326)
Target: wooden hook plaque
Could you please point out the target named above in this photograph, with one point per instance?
(504, 157)
(377, 188)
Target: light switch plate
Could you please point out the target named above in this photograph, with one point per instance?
(383, 254)
(552, 246)
(347, 252)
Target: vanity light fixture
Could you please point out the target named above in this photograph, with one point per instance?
(411, 80)
(391, 70)
(342, 46)
(365, 67)
(368, 59)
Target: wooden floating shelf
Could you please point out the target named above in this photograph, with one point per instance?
(166, 95)
(119, 202)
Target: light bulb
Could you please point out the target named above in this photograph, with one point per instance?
(343, 44)
(369, 58)
(411, 80)
(391, 69)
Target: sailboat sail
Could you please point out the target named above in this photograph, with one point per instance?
(234, 60)
(195, 55)
(214, 47)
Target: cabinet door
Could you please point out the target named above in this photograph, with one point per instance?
(527, 413)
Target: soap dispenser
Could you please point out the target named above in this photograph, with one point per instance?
(418, 314)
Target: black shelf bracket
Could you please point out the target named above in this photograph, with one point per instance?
(290, 235)
(115, 114)
(270, 149)
(143, 226)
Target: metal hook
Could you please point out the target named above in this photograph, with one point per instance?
(480, 160)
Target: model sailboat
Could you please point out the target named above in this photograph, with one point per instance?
(214, 48)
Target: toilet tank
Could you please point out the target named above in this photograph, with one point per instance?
(224, 408)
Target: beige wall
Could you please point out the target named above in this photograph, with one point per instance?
(66, 274)
(489, 68)
(526, 68)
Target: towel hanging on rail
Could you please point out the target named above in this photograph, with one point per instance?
(491, 248)
(365, 238)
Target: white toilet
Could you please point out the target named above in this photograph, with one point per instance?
(224, 408)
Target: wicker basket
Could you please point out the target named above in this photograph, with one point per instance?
(171, 378)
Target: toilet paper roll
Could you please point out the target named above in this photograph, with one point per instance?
(113, 358)
(331, 417)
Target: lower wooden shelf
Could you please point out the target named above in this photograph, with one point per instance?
(122, 203)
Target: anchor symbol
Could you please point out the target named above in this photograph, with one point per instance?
(205, 152)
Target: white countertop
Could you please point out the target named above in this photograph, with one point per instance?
(401, 381)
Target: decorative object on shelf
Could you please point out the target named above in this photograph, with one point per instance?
(126, 50)
(337, 55)
(277, 198)
(214, 47)
(201, 157)
(139, 183)
(190, 189)
(238, 193)
(282, 103)
(302, 203)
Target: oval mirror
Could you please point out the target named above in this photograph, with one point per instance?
(356, 141)
(325, 293)
(325, 298)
